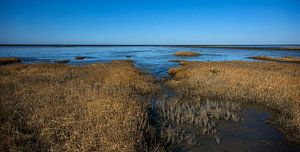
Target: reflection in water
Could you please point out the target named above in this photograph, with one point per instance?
(177, 116)
(201, 114)
(219, 126)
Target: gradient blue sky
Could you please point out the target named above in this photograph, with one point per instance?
(150, 22)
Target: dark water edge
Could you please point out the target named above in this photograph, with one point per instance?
(252, 133)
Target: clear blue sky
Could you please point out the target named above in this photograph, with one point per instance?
(150, 22)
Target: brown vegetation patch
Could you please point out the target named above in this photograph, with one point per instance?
(276, 85)
(288, 59)
(52, 107)
(9, 60)
(181, 62)
(184, 53)
(173, 71)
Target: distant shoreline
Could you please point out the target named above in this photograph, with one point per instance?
(289, 47)
(248, 47)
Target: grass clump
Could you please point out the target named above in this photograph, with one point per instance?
(173, 71)
(9, 60)
(199, 113)
(276, 85)
(181, 62)
(287, 59)
(52, 107)
(186, 53)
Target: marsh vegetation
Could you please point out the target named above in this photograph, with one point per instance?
(275, 85)
(8, 60)
(200, 114)
(186, 53)
(52, 107)
(116, 107)
(288, 59)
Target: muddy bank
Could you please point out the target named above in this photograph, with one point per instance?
(192, 123)
(9, 60)
(275, 85)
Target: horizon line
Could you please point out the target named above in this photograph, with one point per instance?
(74, 44)
(290, 47)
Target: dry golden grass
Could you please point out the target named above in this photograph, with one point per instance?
(288, 59)
(173, 71)
(184, 53)
(276, 85)
(52, 107)
(9, 60)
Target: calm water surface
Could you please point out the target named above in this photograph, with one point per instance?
(152, 59)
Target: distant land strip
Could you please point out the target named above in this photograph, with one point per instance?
(290, 47)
